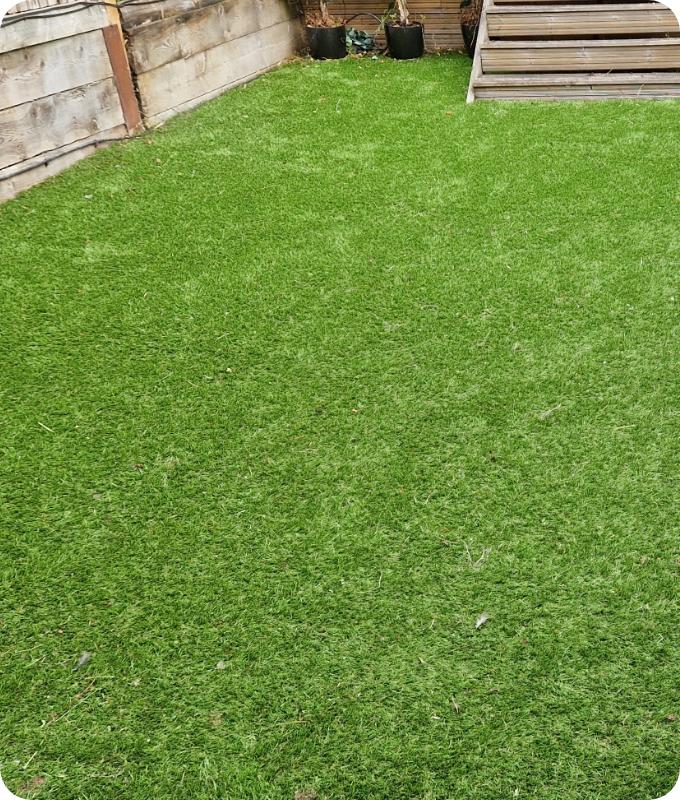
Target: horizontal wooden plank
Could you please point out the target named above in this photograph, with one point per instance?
(133, 16)
(617, 19)
(182, 81)
(66, 156)
(579, 79)
(50, 122)
(52, 67)
(34, 5)
(612, 44)
(182, 36)
(29, 32)
(567, 8)
(580, 56)
(614, 92)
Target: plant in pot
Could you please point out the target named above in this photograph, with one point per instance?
(326, 36)
(470, 14)
(404, 37)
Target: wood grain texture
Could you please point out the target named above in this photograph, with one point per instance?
(482, 39)
(183, 59)
(574, 50)
(580, 56)
(613, 19)
(179, 82)
(34, 5)
(115, 46)
(61, 119)
(52, 67)
(185, 35)
(28, 32)
(63, 157)
(135, 16)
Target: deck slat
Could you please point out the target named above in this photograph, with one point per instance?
(616, 20)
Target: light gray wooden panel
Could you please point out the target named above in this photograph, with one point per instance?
(52, 67)
(28, 32)
(182, 81)
(168, 40)
(141, 15)
(37, 171)
(51, 122)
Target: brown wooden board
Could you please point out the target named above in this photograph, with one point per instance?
(579, 21)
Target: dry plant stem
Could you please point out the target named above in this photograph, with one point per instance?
(402, 8)
(326, 19)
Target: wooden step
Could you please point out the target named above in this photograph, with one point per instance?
(539, 49)
(591, 86)
(586, 55)
(615, 19)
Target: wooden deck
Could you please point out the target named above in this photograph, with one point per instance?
(537, 49)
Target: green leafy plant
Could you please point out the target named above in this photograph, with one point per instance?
(360, 41)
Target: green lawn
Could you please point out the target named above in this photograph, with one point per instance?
(296, 388)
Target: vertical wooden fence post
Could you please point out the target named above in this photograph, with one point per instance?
(122, 75)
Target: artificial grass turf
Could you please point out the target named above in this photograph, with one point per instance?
(297, 388)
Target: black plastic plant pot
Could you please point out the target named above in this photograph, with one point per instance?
(405, 41)
(469, 30)
(327, 43)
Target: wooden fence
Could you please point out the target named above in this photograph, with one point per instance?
(441, 18)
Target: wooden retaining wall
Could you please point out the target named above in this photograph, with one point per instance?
(184, 52)
(441, 18)
(64, 84)
(101, 74)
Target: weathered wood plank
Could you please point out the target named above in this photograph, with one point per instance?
(617, 19)
(34, 5)
(580, 55)
(66, 156)
(642, 91)
(134, 16)
(580, 79)
(28, 32)
(115, 46)
(182, 36)
(51, 122)
(52, 67)
(613, 44)
(180, 82)
(482, 39)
